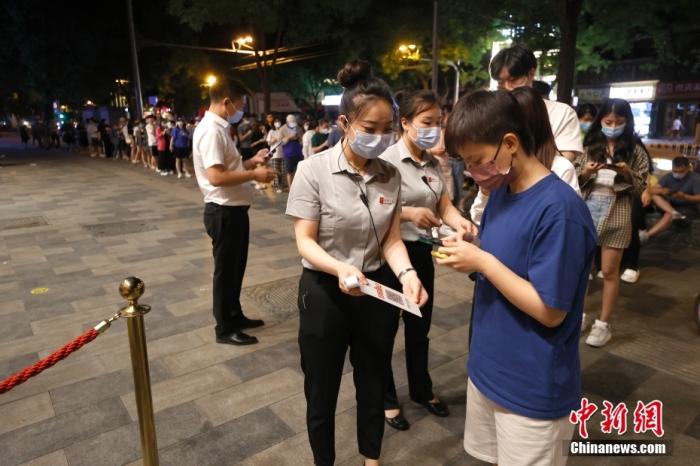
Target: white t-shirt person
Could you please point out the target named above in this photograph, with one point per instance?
(565, 127)
(212, 145)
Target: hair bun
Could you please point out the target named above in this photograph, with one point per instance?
(353, 73)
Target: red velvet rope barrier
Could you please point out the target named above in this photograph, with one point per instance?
(36, 368)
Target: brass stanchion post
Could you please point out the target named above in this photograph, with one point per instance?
(132, 289)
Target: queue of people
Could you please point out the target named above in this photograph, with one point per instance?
(369, 201)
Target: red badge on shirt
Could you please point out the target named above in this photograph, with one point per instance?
(385, 201)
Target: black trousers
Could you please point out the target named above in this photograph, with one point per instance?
(330, 322)
(420, 386)
(229, 230)
(630, 258)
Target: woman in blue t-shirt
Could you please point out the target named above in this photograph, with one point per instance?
(537, 245)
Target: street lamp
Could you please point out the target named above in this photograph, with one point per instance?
(243, 42)
(409, 52)
(211, 80)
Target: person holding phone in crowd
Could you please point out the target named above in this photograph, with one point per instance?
(346, 206)
(612, 171)
(537, 244)
(425, 205)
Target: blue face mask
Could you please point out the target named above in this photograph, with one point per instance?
(613, 132)
(236, 117)
(370, 146)
(426, 138)
(585, 126)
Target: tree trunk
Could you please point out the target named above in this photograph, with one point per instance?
(568, 12)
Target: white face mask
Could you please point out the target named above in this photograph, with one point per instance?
(370, 146)
(292, 124)
(426, 138)
(278, 125)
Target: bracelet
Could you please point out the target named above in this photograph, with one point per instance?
(405, 271)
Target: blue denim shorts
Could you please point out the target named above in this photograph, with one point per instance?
(599, 206)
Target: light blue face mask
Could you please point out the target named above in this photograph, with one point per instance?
(585, 126)
(613, 132)
(370, 146)
(426, 138)
(236, 117)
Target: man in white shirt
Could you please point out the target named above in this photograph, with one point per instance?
(515, 67)
(224, 179)
(151, 138)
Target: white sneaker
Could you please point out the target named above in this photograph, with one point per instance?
(163, 173)
(179, 176)
(643, 236)
(677, 215)
(600, 274)
(630, 276)
(590, 277)
(187, 175)
(584, 323)
(156, 170)
(600, 334)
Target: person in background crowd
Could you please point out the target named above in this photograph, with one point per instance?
(537, 244)
(114, 133)
(24, 135)
(291, 147)
(141, 142)
(180, 147)
(94, 137)
(127, 131)
(451, 168)
(515, 67)
(68, 134)
(274, 137)
(245, 137)
(161, 145)
(612, 170)
(586, 114)
(152, 141)
(310, 128)
(677, 195)
(83, 140)
(259, 137)
(106, 136)
(36, 139)
(224, 179)
(425, 206)
(336, 134)
(340, 196)
(676, 127)
(319, 141)
(269, 122)
(55, 140)
(259, 142)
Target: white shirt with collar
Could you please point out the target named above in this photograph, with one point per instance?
(212, 145)
(565, 126)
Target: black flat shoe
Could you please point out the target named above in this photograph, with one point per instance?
(398, 422)
(438, 409)
(245, 322)
(237, 338)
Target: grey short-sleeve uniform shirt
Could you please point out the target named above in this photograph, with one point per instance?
(327, 189)
(421, 184)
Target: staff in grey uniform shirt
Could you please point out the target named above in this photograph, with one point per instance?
(346, 205)
(424, 203)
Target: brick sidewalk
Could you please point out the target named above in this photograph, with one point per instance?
(77, 226)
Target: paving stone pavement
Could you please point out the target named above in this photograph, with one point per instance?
(76, 226)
